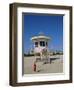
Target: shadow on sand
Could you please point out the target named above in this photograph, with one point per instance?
(52, 60)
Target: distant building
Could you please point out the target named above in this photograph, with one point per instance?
(31, 51)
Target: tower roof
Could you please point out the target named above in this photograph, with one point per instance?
(40, 36)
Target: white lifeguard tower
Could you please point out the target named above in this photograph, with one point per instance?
(41, 51)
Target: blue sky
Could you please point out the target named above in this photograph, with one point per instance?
(50, 25)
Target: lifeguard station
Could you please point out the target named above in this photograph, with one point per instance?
(41, 51)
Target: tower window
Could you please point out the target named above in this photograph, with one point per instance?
(36, 44)
(46, 44)
(42, 43)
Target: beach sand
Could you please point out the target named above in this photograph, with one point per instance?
(56, 65)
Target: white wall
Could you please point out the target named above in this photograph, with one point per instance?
(4, 46)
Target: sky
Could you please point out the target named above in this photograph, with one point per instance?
(50, 25)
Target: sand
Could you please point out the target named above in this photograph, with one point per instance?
(56, 65)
